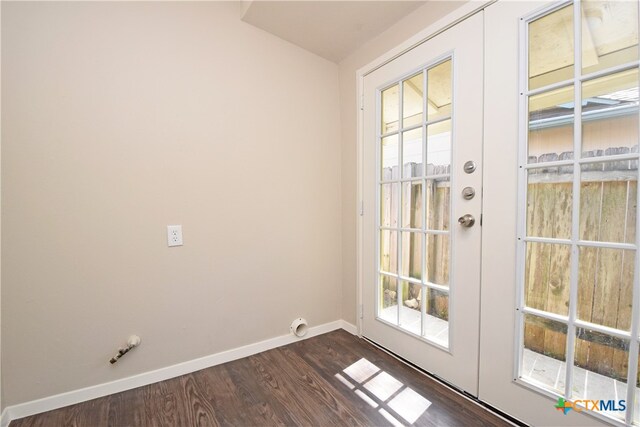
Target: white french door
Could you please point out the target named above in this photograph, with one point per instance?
(524, 117)
(422, 128)
(560, 340)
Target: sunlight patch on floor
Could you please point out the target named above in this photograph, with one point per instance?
(380, 389)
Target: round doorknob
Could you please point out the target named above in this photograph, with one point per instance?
(467, 220)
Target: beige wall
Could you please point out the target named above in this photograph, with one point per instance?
(410, 25)
(121, 118)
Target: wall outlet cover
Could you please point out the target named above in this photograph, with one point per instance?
(174, 235)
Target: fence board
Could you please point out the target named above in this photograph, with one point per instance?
(623, 313)
(559, 274)
(590, 201)
(539, 258)
(609, 262)
(415, 269)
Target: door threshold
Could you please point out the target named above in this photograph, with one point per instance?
(473, 399)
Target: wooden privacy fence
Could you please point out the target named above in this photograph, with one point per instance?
(437, 247)
(608, 198)
(605, 280)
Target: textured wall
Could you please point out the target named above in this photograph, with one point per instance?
(121, 118)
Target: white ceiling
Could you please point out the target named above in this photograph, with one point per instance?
(331, 29)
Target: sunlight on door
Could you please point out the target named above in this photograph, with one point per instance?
(414, 203)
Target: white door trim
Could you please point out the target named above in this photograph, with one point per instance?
(444, 23)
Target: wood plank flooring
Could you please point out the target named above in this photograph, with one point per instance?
(291, 385)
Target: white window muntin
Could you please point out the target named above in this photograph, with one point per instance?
(401, 179)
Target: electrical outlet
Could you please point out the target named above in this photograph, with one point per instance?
(174, 235)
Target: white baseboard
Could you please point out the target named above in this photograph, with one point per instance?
(82, 395)
(349, 327)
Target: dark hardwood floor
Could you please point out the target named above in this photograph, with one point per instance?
(334, 379)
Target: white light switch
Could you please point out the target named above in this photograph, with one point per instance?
(174, 235)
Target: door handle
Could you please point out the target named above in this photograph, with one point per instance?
(467, 220)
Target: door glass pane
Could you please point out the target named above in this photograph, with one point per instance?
(389, 196)
(415, 210)
(411, 311)
(438, 192)
(412, 153)
(390, 109)
(610, 115)
(390, 152)
(547, 277)
(436, 321)
(609, 34)
(437, 259)
(412, 204)
(551, 126)
(549, 202)
(544, 353)
(439, 148)
(600, 368)
(551, 33)
(388, 309)
(389, 251)
(605, 286)
(412, 255)
(439, 91)
(608, 194)
(412, 100)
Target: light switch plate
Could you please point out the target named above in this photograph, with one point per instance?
(174, 235)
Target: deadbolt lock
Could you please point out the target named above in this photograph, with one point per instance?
(468, 193)
(467, 220)
(470, 166)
